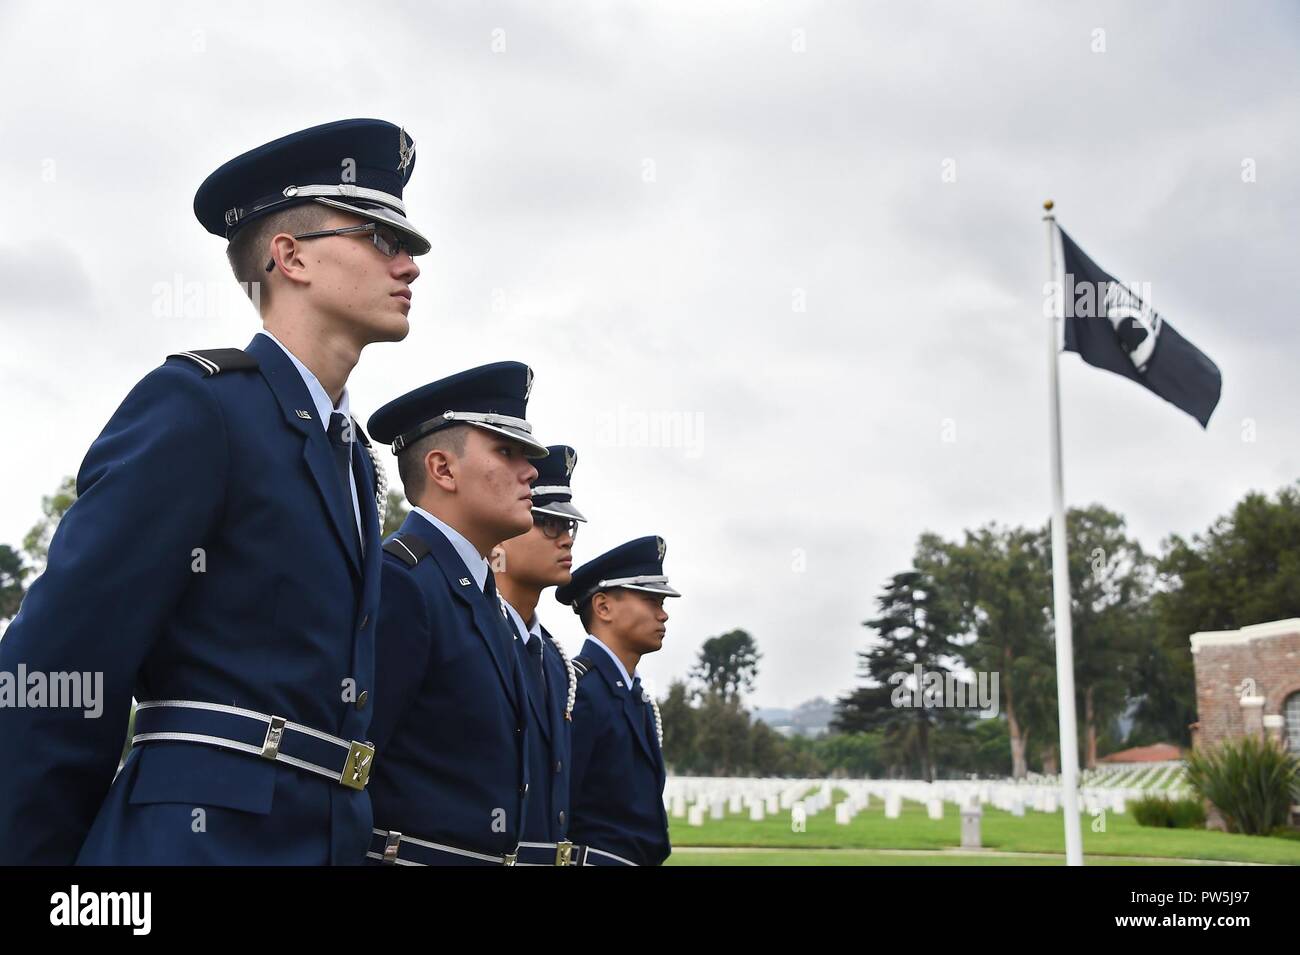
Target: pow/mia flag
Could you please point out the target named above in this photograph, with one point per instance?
(1112, 326)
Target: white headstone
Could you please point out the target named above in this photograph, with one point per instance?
(893, 805)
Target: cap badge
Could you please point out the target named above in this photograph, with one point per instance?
(570, 461)
(663, 548)
(405, 151)
(528, 385)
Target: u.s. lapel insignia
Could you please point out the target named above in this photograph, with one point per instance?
(464, 581)
(570, 462)
(618, 682)
(305, 415)
(405, 151)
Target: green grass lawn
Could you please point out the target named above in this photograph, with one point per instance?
(1034, 832)
(778, 857)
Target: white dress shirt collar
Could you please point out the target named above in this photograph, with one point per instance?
(627, 680)
(473, 560)
(319, 397)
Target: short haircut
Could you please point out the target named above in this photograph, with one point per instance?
(584, 614)
(250, 249)
(410, 462)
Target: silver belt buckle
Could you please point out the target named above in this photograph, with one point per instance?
(274, 736)
(356, 772)
(391, 844)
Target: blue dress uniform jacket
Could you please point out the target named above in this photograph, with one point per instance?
(450, 705)
(618, 775)
(550, 744)
(210, 556)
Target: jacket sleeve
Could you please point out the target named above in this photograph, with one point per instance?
(586, 725)
(402, 639)
(150, 491)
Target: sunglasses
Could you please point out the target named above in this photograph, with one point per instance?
(386, 240)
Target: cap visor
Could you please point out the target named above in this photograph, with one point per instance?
(416, 242)
(533, 448)
(559, 509)
(662, 589)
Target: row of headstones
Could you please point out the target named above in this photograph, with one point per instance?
(700, 798)
(716, 798)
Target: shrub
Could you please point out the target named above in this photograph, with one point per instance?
(1164, 813)
(1251, 781)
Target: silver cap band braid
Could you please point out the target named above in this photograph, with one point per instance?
(448, 418)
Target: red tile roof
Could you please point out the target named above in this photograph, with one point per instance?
(1155, 753)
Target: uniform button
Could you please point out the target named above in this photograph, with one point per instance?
(523, 790)
(361, 700)
(561, 817)
(559, 766)
(519, 729)
(365, 620)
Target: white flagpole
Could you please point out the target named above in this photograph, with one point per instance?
(1061, 587)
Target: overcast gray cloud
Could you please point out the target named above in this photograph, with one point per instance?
(729, 220)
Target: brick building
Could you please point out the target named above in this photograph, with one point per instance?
(1248, 681)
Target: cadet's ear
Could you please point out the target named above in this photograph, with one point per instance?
(286, 253)
(437, 470)
(602, 607)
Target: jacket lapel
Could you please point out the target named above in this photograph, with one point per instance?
(633, 710)
(363, 473)
(557, 686)
(295, 401)
(495, 637)
(535, 700)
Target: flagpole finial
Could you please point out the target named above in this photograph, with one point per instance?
(1048, 204)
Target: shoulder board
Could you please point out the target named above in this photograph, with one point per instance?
(408, 548)
(580, 667)
(214, 361)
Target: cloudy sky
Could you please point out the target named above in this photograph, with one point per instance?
(778, 266)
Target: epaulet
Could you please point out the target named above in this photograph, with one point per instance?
(214, 361)
(580, 666)
(408, 548)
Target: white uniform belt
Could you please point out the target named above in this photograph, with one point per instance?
(396, 848)
(347, 763)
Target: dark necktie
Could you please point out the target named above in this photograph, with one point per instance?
(342, 450)
(534, 648)
(504, 625)
(340, 438)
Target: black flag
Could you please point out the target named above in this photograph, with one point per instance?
(1111, 326)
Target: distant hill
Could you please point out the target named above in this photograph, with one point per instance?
(811, 718)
